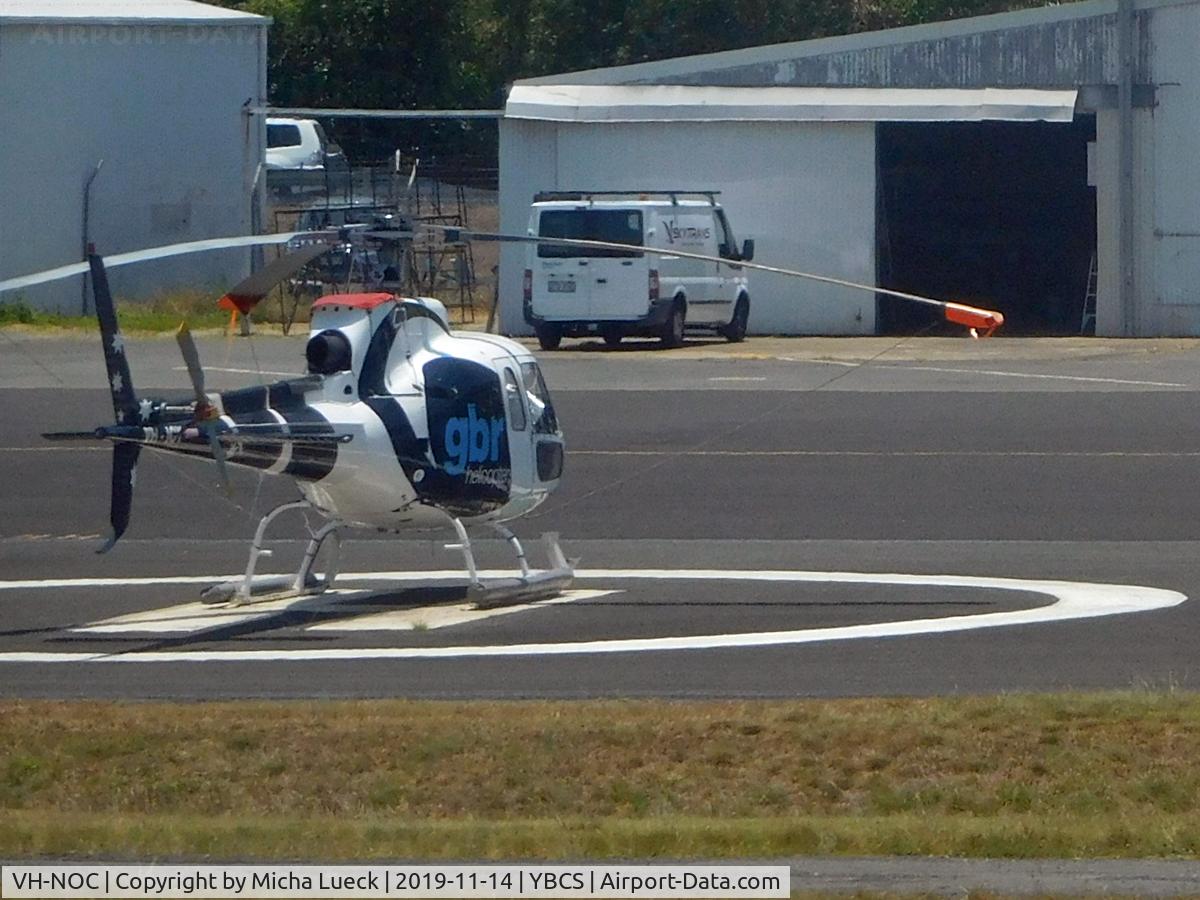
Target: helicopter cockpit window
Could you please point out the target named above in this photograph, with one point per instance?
(400, 376)
(540, 406)
(512, 400)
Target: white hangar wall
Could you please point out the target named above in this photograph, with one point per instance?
(1070, 46)
(1167, 178)
(160, 102)
(1166, 188)
(804, 191)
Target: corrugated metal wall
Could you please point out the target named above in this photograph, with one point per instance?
(1056, 54)
(179, 159)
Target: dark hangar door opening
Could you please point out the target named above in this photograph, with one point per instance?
(995, 214)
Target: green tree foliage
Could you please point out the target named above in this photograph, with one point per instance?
(403, 54)
(376, 52)
(462, 54)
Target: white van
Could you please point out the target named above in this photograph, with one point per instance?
(575, 292)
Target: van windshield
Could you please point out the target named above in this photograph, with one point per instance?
(617, 226)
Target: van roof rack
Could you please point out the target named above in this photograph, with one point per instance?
(544, 196)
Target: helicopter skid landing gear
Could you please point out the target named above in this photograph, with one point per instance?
(526, 587)
(277, 587)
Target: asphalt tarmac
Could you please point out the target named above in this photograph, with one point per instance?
(783, 518)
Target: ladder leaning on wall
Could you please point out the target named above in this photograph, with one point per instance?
(1089, 300)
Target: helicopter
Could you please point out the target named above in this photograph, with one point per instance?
(399, 423)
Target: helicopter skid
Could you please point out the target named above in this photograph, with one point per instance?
(523, 588)
(303, 583)
(498, 592)
(262, 588)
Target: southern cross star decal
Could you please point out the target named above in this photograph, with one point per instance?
(118, 343)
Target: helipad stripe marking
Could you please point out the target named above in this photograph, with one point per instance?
(432, 617)
(867, 365)
(1084, 378)
(1073, 600)
(1036, 454)
(194, 617)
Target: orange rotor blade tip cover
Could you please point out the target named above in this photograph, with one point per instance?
(978, 320)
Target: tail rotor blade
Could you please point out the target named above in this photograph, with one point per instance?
(125, 404)
(191, 358)
(124, 475)
(206, 415)
(218, 452)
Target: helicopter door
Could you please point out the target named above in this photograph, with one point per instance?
(516, 411)
(543, 425)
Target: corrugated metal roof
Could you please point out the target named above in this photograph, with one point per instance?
(882, 57)
(675, 103)
(124, 12)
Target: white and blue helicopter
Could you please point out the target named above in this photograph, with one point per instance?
(399, 424)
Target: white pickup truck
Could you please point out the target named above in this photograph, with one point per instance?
(300, 144)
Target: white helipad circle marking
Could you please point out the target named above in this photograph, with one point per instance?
(1072, 600)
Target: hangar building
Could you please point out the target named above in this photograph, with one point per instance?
(155, 90)
(1041, 161)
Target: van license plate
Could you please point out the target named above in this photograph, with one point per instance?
(561, 287)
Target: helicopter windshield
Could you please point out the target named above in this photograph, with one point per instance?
(541, 408)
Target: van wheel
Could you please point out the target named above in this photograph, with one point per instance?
(612, 337)
(735, 331)
(672, 330)
(548, 337)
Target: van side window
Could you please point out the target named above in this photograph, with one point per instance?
(728, 246)
(512, 400)
(616, 226)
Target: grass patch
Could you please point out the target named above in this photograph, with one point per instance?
(25, 834)
(1010, 776)
(163, 313)
(158, 314)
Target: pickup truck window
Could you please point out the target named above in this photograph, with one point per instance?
(283, 136)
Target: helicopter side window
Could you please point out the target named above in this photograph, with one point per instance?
(512, 400)
(540, 406)
(400, 374)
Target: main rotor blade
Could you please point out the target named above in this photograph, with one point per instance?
(245, 295)
(191, 358)
(960, 313)
(150, 253)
